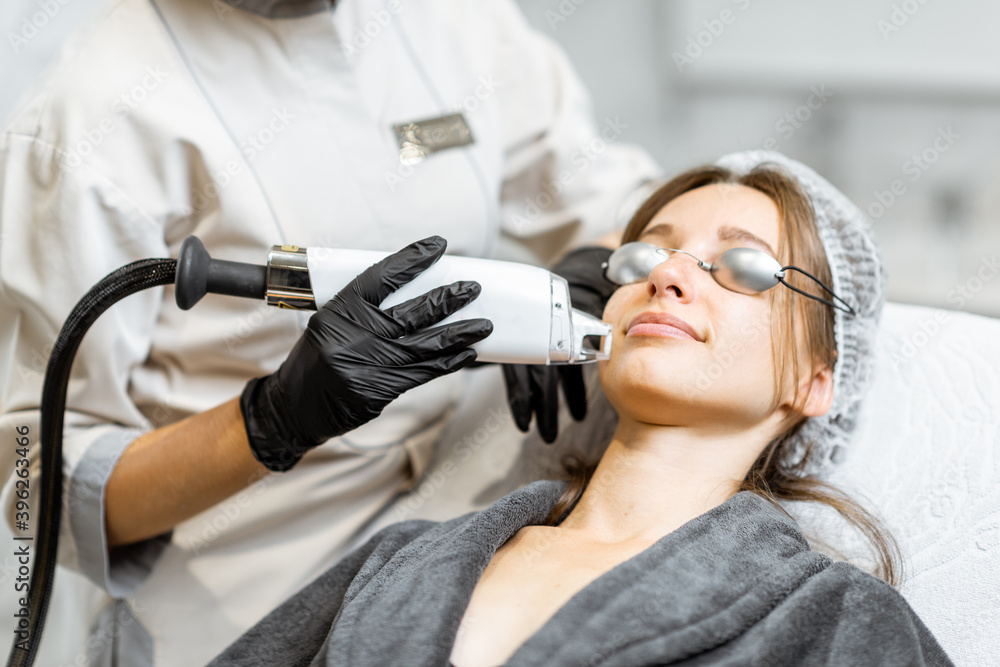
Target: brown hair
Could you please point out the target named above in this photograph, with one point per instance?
(799, 245)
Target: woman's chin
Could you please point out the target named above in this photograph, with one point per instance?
(641, 396)
(651, 367)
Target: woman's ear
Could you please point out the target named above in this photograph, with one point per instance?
(820, 392)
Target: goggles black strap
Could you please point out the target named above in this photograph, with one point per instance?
(848, 308)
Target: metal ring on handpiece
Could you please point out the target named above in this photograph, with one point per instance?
(288, 281)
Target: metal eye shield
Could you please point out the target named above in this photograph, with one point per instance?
(742, 270)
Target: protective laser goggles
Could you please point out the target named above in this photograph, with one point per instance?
(742, 270)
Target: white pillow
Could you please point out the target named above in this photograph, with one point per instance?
(927, 460)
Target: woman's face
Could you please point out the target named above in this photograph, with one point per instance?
(723, 376)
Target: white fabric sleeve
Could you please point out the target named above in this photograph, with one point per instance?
(63, 227)
(568, 176)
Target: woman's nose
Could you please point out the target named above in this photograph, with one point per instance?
(676, 277)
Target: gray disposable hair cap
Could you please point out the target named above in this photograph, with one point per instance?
(860, 279)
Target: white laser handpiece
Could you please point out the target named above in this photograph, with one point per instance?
(533, 319)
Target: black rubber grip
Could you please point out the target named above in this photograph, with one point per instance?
(198, 274)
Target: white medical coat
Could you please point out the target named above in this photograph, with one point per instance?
(165, 118)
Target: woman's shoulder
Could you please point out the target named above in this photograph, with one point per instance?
(854, 590)
(857, 582)
(846, 611)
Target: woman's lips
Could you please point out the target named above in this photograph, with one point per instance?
(655, 323)
(665, 330)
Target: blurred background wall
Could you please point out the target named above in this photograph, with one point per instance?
(897, 102)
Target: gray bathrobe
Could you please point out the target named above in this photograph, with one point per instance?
(737, 585)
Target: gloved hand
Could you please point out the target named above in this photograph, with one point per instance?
(535, 388)
(354, 358)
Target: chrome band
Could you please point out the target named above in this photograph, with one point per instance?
(561, 328)
(288, 284)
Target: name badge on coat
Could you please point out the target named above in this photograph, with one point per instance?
(420, 138)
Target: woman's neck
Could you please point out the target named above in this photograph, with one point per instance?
(653, 479)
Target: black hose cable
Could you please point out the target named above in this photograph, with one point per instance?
(114, 287)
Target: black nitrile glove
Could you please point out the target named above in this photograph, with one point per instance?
(354, 358)
(535, 388)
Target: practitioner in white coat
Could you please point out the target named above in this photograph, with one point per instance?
(249, 123)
